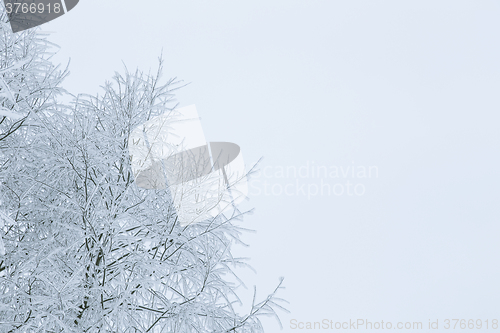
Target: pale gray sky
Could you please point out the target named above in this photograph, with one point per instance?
(410, 87)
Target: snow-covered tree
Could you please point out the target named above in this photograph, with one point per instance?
(86, 249)
(29, 81)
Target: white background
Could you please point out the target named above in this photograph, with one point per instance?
(410, 87)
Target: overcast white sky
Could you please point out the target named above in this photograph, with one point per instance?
(408, 87)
